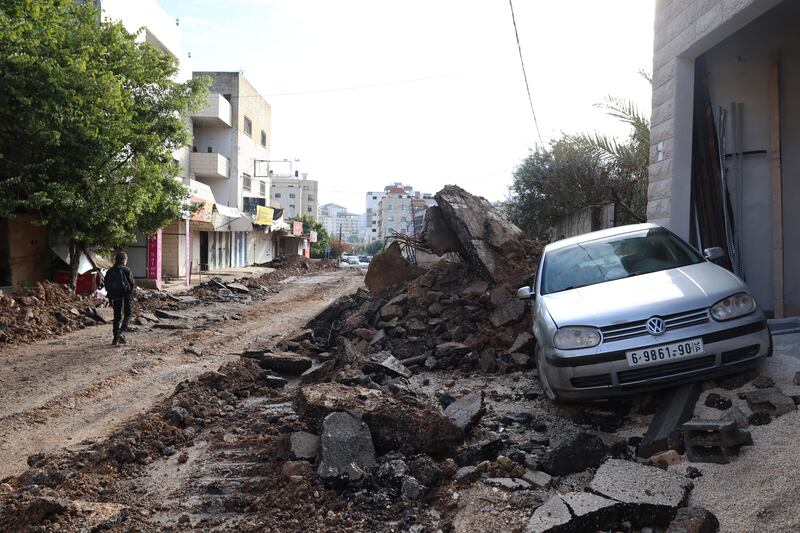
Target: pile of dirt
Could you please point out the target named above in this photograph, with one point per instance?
(43, 311)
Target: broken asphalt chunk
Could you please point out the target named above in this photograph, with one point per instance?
(649, 495)
(303, 445)
(317, 372)
(346, 449)
(388, 364)
(693, 520)
(466, 411)
(237, 287)
(404, 423)
(287, 362)
(575, 454)
(164, 313)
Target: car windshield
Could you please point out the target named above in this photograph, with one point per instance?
(617, 257)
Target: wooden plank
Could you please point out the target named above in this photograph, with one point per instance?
(777, 183)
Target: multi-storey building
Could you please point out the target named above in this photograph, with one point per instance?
(399, 208)
(296, 194)
(328, 214)
(373, 203)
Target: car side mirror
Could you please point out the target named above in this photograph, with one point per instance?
(712, 254)
(525, 293)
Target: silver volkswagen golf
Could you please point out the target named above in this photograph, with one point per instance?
(635, 308)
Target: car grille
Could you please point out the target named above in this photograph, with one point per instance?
(630, 330)
(659, 371)
(600, 380)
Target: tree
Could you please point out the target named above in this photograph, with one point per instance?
(375, 247)
(89, 119)
(312, 224)
(584, 170)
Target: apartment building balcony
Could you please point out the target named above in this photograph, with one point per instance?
(209, 165)
(215, 112)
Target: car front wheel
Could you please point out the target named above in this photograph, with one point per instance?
(543, 382)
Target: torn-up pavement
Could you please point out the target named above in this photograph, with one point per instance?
(412, 406)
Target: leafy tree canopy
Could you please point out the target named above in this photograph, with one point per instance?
(89, 120)
(580, 171)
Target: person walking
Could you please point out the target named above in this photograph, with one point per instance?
(119, 286)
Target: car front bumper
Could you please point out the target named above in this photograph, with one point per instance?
(605, 373)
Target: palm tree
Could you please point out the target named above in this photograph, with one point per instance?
(627, 160)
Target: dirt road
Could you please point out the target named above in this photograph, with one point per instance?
(78, 387)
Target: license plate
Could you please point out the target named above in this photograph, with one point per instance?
(665, 352)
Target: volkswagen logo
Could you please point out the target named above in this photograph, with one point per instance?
(656, 326)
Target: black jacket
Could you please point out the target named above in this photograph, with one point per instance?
(114, 289)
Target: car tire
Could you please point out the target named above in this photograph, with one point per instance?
(548, 391)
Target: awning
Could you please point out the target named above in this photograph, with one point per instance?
(89, 259)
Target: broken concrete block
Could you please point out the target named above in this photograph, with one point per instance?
(466, 474)
(475, 289)
(411, 489)
(575, 454)
(389, 269)
(288, 362)
(317, 372)
(390, 311)
(483, 233)
(770, 400)
(737, 416)
(303, 445)
(523, 343)
(506, 313)
(346, 450)
(237, 287)
(538, 478)
(591, 512)
(436, 235)
(425, 469)
(551, 517)
(275, 382)
(388, 364)
(676, 407)
(649, 495)
(466, 411)
(407, 424)
(149, 316)
(714, 441)
(693, 520)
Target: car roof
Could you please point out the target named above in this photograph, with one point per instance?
(602, 234)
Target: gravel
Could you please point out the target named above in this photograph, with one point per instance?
(759, 490)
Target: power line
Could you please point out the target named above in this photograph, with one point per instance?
(524, 74)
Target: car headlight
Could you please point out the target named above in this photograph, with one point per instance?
(733, 307)
(571, 338)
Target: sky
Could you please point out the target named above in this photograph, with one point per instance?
(426, 92)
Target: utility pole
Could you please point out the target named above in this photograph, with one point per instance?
(340, 242)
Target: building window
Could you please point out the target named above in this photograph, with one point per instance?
(291, 195)
(374, 230)
(227, 97)
(374, 197)
(309, 209)
(403, 207)
(310, 198)
(263, 138)
(247, 183)
(390, 219)
(248, 127)
(263, 188)
(390, 207)
(277, 195)
(291, 206)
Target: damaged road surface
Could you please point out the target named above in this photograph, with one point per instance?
(60, 392)
(409, 406)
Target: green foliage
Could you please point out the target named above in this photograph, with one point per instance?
(88, 123)
(584, 170)
(312, 224)
(375, 247)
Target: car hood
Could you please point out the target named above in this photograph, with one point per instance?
(640, 297)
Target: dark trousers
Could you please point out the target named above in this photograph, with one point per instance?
(121, 305)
